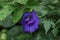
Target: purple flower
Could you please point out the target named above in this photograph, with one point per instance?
(30, 21)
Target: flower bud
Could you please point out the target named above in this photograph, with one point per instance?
(30, 21)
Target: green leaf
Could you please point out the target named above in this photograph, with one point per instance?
(46, 1)
(21, 1)
(7, 22)
(55, 31)
(32, 3)
(20, 37)
(58, 21)
(14, 31)
(41, 10)
(51, 6)
(50, 36)
(53, 24)
(39, 36)
(55, 1)
(3, 0)
(57, 37)
(5, 11)
(4, 3)
(47, 25)
(17, 14)
(6, 0)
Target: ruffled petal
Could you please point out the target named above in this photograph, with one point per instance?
(30, 25)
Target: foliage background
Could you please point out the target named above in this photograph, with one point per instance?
(48, 12)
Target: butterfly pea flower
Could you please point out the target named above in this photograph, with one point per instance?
(30, 21)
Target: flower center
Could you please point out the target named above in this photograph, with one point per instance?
(28, 18)
(29, 21)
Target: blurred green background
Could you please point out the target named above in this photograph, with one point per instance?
(48, 12)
